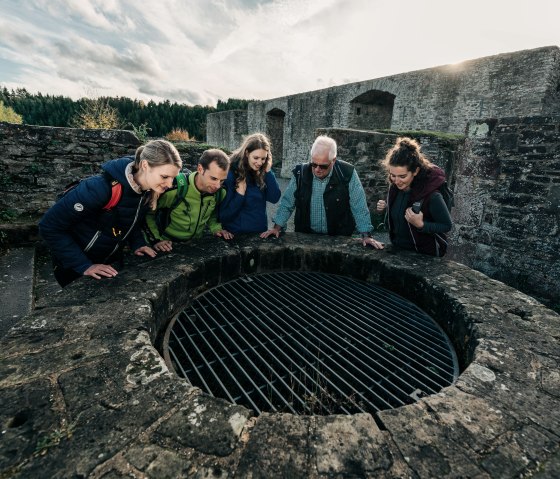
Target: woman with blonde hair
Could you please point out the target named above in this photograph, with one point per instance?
(249, 185)
(88, 227)
(417, 215)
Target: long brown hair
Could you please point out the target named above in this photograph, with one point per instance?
(256, 141)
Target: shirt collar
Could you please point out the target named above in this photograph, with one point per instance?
(326, 178)
(130, 177)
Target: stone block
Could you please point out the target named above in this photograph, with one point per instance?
(207, 424)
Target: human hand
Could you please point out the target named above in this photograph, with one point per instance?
(224, 234)
(373, 243)
(98, 271)
(145, 250)
(163, 245)
(268, 164)
(381, 205)
(273, 231)
(241, 187)
(415, 219)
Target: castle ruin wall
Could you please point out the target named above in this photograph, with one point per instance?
(38, 161)
(439, 99)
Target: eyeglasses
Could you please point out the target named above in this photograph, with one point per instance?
(322, 167)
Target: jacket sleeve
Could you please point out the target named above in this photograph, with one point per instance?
(441, 218)
(287, 204)
(213, 223)
(164, 201)
(78, 205)
(233, 202)
(273, 192)
(358, 205)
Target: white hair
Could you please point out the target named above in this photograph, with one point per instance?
(323, 143)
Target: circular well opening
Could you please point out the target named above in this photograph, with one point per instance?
(309, 343)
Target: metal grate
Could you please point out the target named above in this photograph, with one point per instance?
(310, 343)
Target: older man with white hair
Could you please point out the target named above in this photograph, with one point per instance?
(327, 196)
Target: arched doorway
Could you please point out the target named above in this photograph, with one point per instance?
(372, 110)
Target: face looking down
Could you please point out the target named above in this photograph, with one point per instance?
(211, 179)
(402, 177)
(321, 165)
(156, 178)
(257, 159)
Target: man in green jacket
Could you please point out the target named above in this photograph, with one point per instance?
(197, 209)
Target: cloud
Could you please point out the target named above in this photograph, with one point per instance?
(201, 51)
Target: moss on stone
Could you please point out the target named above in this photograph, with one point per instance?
(431, 134)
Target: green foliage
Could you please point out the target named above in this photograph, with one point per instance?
(8, 114)
(44, 443)
(232, 104)
(141, 131)
(158, 118)
(8, 215)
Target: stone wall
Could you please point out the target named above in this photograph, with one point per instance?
(364, 149)
(84, 393)
(37, 162)
(439, 99)
(226, 128)
(507, 215)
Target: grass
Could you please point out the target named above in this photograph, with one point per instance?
(54, 438)
(432, 134)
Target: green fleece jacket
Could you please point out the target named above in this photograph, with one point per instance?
(189, 218)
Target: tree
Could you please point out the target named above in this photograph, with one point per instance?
(9, 115)
(97, 114)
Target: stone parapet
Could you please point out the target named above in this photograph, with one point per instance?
(507, 215)
(38, 161)
(86, 394)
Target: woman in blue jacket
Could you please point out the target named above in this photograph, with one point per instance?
(250, 184)
(86, 233)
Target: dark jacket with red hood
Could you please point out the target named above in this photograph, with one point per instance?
(424, 186)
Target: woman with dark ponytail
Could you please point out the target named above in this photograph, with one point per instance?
(88, 227)
(417, 215)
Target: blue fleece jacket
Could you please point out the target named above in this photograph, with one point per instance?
(247, 213)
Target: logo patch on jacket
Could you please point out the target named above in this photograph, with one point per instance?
(78, 207)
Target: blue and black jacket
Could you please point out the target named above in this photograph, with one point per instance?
(80, 233)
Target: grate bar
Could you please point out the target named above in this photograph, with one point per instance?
(396, 359)
(412, 321)
(333, 352)
(286, 402)
(310, 343)
(302, 347)
(413, 352)
(203, 358)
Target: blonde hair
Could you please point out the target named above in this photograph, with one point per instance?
(156, 153)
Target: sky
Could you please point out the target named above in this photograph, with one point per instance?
(200, 51)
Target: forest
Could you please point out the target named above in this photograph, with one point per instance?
(158, 119)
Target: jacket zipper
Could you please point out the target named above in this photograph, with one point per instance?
(92, 241)
(129, 229)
